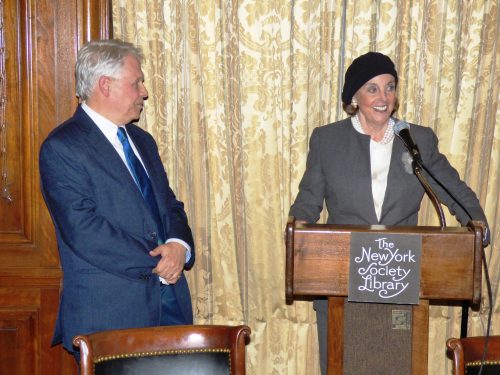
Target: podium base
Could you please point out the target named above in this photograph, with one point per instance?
(377, 339)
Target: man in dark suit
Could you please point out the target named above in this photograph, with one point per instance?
(123, 237)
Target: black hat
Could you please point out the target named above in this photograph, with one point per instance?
(364, 68)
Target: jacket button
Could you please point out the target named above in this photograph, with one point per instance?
(154, 235)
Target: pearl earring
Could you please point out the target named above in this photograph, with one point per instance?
(354, 103)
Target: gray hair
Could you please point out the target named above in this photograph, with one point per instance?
(101, 58)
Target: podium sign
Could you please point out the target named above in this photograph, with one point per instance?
(385, 268)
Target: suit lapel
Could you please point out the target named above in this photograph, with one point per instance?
(392, 177)
(362, 154)
(105, 155)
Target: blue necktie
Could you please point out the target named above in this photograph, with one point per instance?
(142, 180)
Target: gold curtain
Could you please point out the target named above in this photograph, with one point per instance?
(236, 88)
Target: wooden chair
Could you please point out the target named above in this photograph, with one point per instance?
(186, 350)
(468, 353)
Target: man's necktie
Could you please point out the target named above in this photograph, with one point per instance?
(141, 178)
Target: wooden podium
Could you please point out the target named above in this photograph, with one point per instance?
(317, 264)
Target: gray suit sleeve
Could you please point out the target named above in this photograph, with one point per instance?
(451, 190)
(309, 202)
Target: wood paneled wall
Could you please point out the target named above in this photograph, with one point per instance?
(41, 39)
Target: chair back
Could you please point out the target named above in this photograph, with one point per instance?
(468, 353)
(186, 350)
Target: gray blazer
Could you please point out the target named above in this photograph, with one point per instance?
(338, 173)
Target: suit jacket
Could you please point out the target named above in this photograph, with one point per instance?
(105, 230)
(338, 172)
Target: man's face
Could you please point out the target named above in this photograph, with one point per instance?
(127, 92)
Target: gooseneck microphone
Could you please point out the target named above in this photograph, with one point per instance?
(402, 130)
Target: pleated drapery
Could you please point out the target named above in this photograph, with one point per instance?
(236, 88)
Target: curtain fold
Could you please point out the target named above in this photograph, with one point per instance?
(236, 88)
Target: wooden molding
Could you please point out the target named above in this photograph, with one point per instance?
(42, 38)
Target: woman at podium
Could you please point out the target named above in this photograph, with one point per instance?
(363, 170)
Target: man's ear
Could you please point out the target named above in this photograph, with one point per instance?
(104, 84)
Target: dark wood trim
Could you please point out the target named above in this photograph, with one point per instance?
(42, 40)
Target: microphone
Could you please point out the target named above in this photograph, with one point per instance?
(402, 130)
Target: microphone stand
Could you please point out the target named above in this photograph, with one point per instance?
(417, 169)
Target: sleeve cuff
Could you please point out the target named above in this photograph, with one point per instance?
(183, 243)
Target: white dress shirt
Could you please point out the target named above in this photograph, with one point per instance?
(380, 160)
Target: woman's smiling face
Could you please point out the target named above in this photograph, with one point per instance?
(376, 100)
